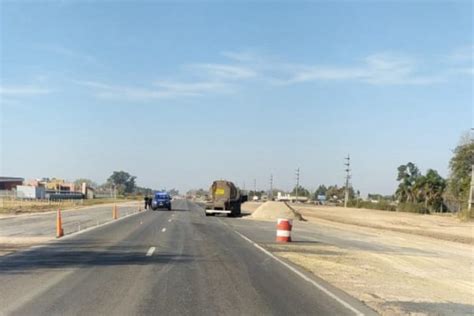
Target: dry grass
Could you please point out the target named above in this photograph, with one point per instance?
(15, 207)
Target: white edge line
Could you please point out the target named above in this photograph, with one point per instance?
(150, 251)
(304, 277)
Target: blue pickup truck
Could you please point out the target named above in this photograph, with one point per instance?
(161, 200)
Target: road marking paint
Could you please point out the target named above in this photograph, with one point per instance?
(163, 230)
(150, 251)
(304, 277)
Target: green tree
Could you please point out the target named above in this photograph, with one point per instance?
(428, 189)
(123, 182)
(435, 186)
(301, 191)
(460, 171)
(321, 190)
(173, 192)
(407, 176)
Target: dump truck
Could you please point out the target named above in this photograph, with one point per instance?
(226, 198)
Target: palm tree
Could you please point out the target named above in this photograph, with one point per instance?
(407, 176)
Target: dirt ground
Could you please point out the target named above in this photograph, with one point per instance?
(10, 208)
(446, 227)
(419, 264)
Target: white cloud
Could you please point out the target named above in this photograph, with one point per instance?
(246, 67)
(159, 90)
(193, 88)
(377, 69)
(74, 54)
(23, 90)
(224, 71)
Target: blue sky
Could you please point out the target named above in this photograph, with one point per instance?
(181, 94)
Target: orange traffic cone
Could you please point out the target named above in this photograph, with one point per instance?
(59, 225)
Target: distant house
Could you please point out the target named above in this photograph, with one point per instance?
(10, 183)
(30, 192)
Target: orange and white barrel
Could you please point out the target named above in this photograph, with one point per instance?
(284, 230)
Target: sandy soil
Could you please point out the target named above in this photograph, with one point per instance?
(423, 280)
(250, 207)
(416, 264)
(445, 227)
(273, 210)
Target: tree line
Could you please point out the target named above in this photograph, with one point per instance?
(123, 183)
(416, 192)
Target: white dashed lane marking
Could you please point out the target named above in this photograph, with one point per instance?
(150, 251)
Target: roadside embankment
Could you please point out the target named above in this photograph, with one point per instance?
(444, 227)
(397, 263)
(9, 207)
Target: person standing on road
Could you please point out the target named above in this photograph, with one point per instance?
(150, 199)
(146, 201)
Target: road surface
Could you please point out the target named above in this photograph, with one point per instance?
(160, 263)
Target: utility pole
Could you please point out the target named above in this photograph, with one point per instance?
(348, 176)
(270, 196)
(297, 183)
(254, 187)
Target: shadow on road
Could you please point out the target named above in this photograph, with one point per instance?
(70, 255)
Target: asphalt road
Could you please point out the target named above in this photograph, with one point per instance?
(165, 262)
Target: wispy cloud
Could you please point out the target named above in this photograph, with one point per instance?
(69, 53)
(383, 68)
(224, 71)
(26, 90)
(376, 69)
(158, 90)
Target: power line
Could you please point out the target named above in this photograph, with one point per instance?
(254, 187)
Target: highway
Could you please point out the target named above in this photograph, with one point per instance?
(164, 263)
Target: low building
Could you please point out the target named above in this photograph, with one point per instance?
(59, 185)
(30, 192)
(10, 183)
